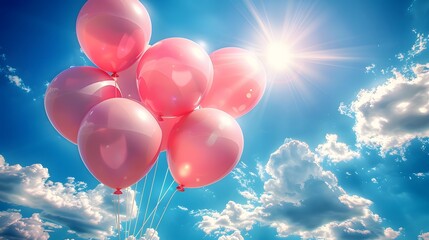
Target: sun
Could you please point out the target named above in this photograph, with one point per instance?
(286, 42)
(279, 56)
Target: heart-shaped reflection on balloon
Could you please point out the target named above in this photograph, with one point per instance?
(119, 142)
(114, 151)
(173, 75)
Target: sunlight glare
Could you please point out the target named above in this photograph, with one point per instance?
(278, 56)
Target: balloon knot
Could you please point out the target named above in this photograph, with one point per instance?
(114, 75)
(180, 188)
(118, 191)
(160, 119)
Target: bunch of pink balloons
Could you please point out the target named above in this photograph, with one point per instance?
(171, 96)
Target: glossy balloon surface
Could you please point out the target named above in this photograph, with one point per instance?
(127, 82)
(204, 147)
(119, 142)
(239, 81)
(167, 125)
(113, 33)
(173, 76)
(73, 93)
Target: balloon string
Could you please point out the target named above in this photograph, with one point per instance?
(150, 192)
(162, 215)
(116, 214)
(132, 208)
(126, 213)
(119, 220)
(157, 204)
(140, 204)
(159, 196)
(115, 78)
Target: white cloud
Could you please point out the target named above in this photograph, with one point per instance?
(419, 45)
(389, 233)
(10, 73)
(241, 177)
(246, 179)
(182, 208)
(421, 174)
(233, 218)
(150, 234)
(249, 194)
(345, 110)
(14, 226)
(299, 198)
(10, 69)
(261, 171)
(389, 116)
(335, 151)
(234, 236)
(424, 236)
(370, 68)
(17, 81)
(88, 213)
(400, 56)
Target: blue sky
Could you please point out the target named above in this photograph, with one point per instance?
(336, 149)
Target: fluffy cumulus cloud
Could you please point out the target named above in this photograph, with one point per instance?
(299, 198)
(335, 151)
(87, 213)
(14, 226)
(234, 236)
(389, 116)
(392, 234)
(233, 218)
(150, 234)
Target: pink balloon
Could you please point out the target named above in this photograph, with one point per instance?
(173, 75)
(239, 81)
(113, 33)
(127, 81)
(204, 147)
(73, 93)
(167, 125)
(119, 142)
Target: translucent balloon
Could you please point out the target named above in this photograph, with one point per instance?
(73, 93)
(119, 142)
(204, 147)
(173, 76)
(239, 81)
(113, 33)
(167, 125)
(127, 82)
